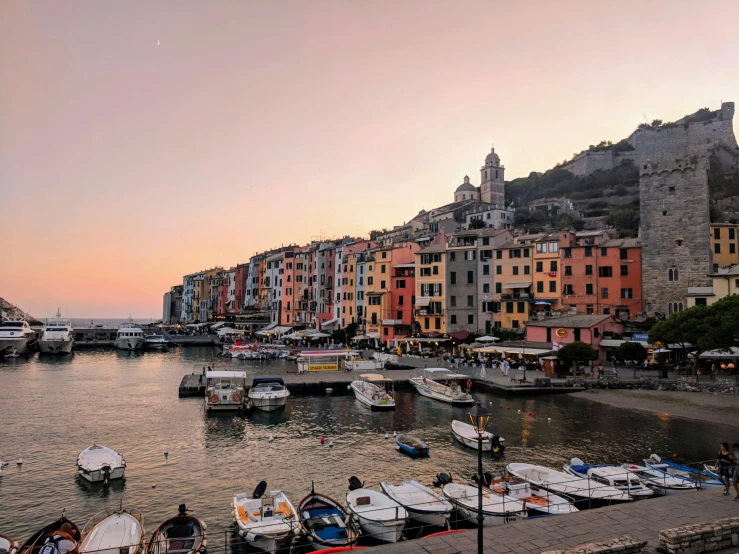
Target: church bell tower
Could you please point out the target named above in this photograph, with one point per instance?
(492, 180)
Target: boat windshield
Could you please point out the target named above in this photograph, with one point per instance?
(11, 324)
(56, 328)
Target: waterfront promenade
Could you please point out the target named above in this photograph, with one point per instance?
(642, 519)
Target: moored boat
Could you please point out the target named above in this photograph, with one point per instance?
(118, 532)
(60, 537)
(536, 500)
(374, 391)
(266, 521)
(379, 516)
(156, 342)
(182, 534)
(8, 545)
(326, 523)
(421, 503)
(56, 337)
(268, 393)
(16, 337)
(129, 337)
(443, 385)
(661, 483)
(225, 391)
(610, 474)
(702, 478)
(466, 434)
(98, 463)
(496, 509)
(355, 362)
(411, 445)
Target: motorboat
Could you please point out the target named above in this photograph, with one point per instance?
(8, 545)
(118, 532)
(421, 503)
(156, 342)
(661, 483)
(326, 523)
(496, 509)
(129, 337)
(60, 537)
(443, 385)
(411, 445)
(266, 521)
(374, 391)
(268, 393)
(57, 336)
(182, 534)
(379, 516)
(612, 475)
(702, 478)
(537, 501)
(466, 434)
(16, 336)
(225, 391)
(98, 463)
(354, 361)
(584, 492)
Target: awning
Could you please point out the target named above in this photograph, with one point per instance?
(318, 336)
(373, 335)
(516, 285)
(274, 331)
(460, 335)
(359, 337)
(543, 302)
(330, 322)
(616, 343)
(423, 301)
(732, 353)
(514, 350)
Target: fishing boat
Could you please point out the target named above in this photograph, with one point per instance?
(56, 337)
(326, 523)
(268, 393)
(266, 521)
(118, 532)
(496, 509)
(8, 545)
(661, 483)
(182, 534)
(379, 516)
(59, 537)
(156, 342)
(421, 503)
(374, 391)
(584, 492)
(466, 434)
(100, 464)
(443, 385)
(704, 479)
(537, 501)
(411, 445)
(610, 474)
(225, 391)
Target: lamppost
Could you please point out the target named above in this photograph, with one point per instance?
(479, 418)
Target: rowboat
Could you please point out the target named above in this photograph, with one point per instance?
(182, 534)
(118, 532)
(411, 445)
(98, 463)
(661, 483)
(421, 503)
(466, 434)
(326, 523)
(379, 516)
(60, 537)
(537, 501)
(496, 509)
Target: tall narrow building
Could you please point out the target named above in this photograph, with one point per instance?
(492, 179)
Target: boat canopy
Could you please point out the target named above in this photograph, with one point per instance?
(374, 377)
(260, 380)
(226, 375)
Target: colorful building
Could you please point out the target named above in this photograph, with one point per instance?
(589, 329)
(513, 281)
(430, 281)
(724, 238)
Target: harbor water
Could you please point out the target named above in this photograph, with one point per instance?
(52, 408)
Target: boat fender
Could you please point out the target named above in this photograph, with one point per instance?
(213, 399)
(236, 397)
(469, 385)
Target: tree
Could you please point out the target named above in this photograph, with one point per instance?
(577, 351)
(632, 351)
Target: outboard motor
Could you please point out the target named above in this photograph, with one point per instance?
(443, 479)
(497, 445)
(355, 483)
(106, 474)
(260, 490)
(487, 479)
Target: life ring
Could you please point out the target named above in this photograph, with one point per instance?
(236, 397)
(213, 398)
(469, 385)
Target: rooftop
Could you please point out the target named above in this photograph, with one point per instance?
(572, 321)
(432, 249)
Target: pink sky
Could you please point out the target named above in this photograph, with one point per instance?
(124, 165)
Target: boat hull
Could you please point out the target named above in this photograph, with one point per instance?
(98, 476)
(489, 520)
(55, 346)
(268, 404)
(236, 407)
(129, 343)
(423, 390)
(432, 519)
(20, 345)
(390, 531)
(373, 405)
(473, 443)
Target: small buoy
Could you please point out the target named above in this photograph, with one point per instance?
(323, 440)
(387, 435)
(329, 390)
(519, 411)
(674, 455)
(154, 486)
(501, 405)
(395, 434)
(270, 438)
(549, 419)
(330, 444)
(20, 461)
(166, 452)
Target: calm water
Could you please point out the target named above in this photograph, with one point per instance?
(52, 408)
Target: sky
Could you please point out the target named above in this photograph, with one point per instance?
(143, 140)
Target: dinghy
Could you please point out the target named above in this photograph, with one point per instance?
(119, 532)
(496, 509)
(661, 483)
(182, 534)
(702, 478)
(411, 445)
(266, 521)
(326, 523)
(421, 503)
(379, 516)
(466, 434)
(610, 474)
(584, 492)
(8, 545)
(100, 464)
(60, 537)
(537, 501)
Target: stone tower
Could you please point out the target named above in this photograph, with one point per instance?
(492, 179)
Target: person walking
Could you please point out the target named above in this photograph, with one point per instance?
(735, 470)
(724, 466)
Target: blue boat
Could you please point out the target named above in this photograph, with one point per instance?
(326, 523)
(703, 479)
(411, 445)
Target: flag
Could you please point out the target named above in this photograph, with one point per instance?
(556, 346)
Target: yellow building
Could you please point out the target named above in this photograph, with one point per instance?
(513, 283)
(431, 287)
(724, 241)
(725, 283)
(377, 289)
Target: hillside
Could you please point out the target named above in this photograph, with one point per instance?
(11, 310)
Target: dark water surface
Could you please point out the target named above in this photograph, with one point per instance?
(52, 408)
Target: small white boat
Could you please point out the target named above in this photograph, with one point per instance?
(466, 434)
(56, 337)
(703, 479)
(443, 385)
(183, 534)
(120, 532)
(536, 500)
(355, 362)
(225, 391)
(129, 337)
(496, 509)
(156, 342)
(610, 474)
(98, 463)
(583, 491)
(421, 503)
(268, 393)
(374, 391)
(8, 545)
(267, 521)
(379, 516)
(663, 484)
(16, 337)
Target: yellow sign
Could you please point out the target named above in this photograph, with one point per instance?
(561, 332)
(323, 367)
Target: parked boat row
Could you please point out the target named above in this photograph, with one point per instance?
(226, 391)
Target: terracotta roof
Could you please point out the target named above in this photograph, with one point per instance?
(574, 321)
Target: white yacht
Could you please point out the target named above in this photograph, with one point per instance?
(130, 337)
(268, 393)
(57, 337)
(16, 336)
(156, 342)
(441, 384)
(374, 391)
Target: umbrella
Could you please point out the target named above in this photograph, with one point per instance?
(318, 336)
(487, 338)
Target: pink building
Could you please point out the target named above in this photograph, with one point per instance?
(590, 329)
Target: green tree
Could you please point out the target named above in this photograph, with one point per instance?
(632, 351)
(577, 351)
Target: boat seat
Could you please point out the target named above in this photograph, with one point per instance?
(536, 500)
(284, 510)
(242, 513)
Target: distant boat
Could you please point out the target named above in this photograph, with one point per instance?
(466, 434)
(610, 474)
(443, 385)
(182, 534)
(98, 463)
(225, 391)
(421, 503)
(704, 479)
(156, 342)
(118, 532)
(326, 523)
(496, 509)
(411, 445)
(374, 391)
(16, 337)
(661, 483)
(537, 501)
(129, 337)
(62, 532)
(56, 337)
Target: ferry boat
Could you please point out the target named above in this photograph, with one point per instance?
(443, 385)
(374, 391)
(57, 337)
(16, 336)
(129, 337)
(225, 391)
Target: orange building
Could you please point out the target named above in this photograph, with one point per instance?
(513, 281)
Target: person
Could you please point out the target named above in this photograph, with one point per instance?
(600, 371)
(735, 470)
(64, 539)
(506, 365)
(723, 466)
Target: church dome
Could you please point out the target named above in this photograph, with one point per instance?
(492, 158)
(466, 186)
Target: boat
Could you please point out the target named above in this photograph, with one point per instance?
(182, 534)
(156, 342)
(374, 391)
(661, 483)
(98, 463)
(537, 501)
(225, 391)
(326, 523)
(421, 503)
(129, 337)
(379, 516)
(610, 474)
(60, 537)
(497, 509)
(56, 337)
(466, 434)
(411, 445)
(266, 521)
(16, 337)
(268, 393)
(8, 545)
(118, 532)
(354, 361)
(443, 385)
(704, 479)
(585, 492)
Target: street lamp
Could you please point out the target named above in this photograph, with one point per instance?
(479, 418)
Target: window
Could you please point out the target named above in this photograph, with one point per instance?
(589, 289)
(717, 248)
(623, 253)
(674, 306)
(568, 271)
(509, 307)
(453, 278)
(627, 293)
(604, 251)
(624, 270)
(470, 300)
(453, 319)
(540, 286)
(400, 283)
(498, 254)
(672, 274)
(732, 246)
(588, 251)
(605, 271)
(521, 307)
(498, 270)
(470, 255)
(370, 280)
(702, 301)
(604, 292)
(452, 256)
(382, 267)
(589, 309)
(552, 286)
(541, 247)
(569, 290)
(485, 240)
(527, 270)
(485, 288)
(568, 252)
(539, 267)
(436, 270)
(470, 319)
(717, 233)
(453, 301)
(437, 323)
(400, 300)
(588, 270)
(515, 270)
(425, 272)
(731, 233)
(554, 247)
(486, 269)
(514, 323)
(498, 288)
(373, 300)
(426, 323)
(553, 266)
(470, 277)
(382, 284)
